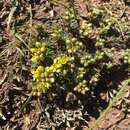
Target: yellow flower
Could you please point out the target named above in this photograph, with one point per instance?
(42, 75)
(64, 60)
(38, 93)
(38, 44)
(68, 41)
(34, 93)
(69, 50)
(52, 80)
(73, 39)
(64, 72)
(33, 50)
(34, 59)
(54, 69)
(56, 66)
(33, 71)
(35, 76)
(55, 60)
(41, 56)
(47, 69)
(46, 85)
(61, 60)
(51, 68)
(42, 49)
(40, 68)
(39, 86)
(58, 70)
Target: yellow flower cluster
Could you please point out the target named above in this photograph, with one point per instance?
(56, 33)
(86, 60)
(109, 52)
(69, 14)
(37, 52)
(44, 77)
(99, 55)
(73, 45)
(106, 24)
(99, 42)
(81, 87)
(85, 28)
(126, 56)
(95, 12)
(95, 78)
(81, 72)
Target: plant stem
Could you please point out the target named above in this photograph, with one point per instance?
(119, 94)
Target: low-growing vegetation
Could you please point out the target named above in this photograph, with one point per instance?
(66, 62)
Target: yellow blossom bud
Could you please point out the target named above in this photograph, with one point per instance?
(69, 50)
(83, 25)
(63, 60)
(42, 75)
(34, 93)
(33, 50)
(85, 33)
(84, 81)
(80, 31)
(38, 94)
(67, 41)
(34, 59)
(66, 17)
(47, 79)
(40, 68)
(47, 69)
(42, 49)
(64, 72)
(35, 76)
(58, 70)
(57, 66)
(47, 85)
(73, 39)
(54, 34)
(41, 56)
(55, 60)
(52, 80)
(51, 68)
(33, 71)
(38, 44)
